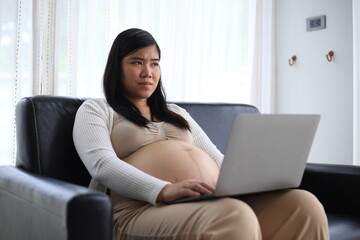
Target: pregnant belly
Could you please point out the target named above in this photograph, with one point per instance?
(175, 161)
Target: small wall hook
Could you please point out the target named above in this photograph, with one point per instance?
(330, 56)
(292, 60)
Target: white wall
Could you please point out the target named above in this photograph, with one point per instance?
(314, 85)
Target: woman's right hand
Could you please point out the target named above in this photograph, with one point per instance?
(187, 188)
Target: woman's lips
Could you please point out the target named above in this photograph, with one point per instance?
(145, 84)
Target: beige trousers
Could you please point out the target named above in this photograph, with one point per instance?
(282, 215)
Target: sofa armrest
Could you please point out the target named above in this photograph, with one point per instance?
(37, 207)
(336, 186)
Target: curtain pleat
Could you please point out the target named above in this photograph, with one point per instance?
(17, 73)
(44, 46)
(356, 107)
(261, 37)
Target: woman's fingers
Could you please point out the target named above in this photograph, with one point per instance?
(188, 188)
(200, 187)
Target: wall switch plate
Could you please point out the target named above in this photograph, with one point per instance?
(316, 23)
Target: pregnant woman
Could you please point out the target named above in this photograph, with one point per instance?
(144, 152)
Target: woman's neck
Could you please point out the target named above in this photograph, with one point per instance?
(143, 107)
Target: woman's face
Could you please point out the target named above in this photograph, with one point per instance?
(141, 73)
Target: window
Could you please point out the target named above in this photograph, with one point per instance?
(61, 47)
(15, 68)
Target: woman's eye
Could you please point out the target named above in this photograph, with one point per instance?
(155, 64)
(136, 62)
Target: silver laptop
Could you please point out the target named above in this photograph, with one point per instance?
(265, 152)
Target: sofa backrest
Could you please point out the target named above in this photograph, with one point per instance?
(44, 138)
(44, 133)
(216, 118)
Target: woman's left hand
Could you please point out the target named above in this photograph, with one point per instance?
(187, 188)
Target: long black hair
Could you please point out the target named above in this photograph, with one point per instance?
(124, 44)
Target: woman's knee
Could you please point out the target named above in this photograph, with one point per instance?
(307, 213)
(305, 201)
(235, 208)
(232, 219)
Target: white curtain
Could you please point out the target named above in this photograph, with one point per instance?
(262, 54)
(212, 51)
(356, 67)
(16, 66)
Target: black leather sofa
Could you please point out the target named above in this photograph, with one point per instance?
(45, 196)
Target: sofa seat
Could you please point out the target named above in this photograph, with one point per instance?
(344, 227)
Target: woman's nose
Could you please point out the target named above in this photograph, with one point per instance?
(146, 72)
